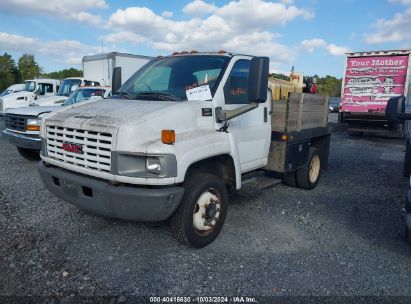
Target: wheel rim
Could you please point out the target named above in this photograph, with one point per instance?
(314, 169)
(206, 212)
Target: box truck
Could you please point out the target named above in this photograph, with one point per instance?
(100, 67)
(370, 79)
(177, 135)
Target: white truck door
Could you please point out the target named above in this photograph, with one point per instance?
(46, 89)
(252, 130)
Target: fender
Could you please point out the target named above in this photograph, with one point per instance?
(194, 146)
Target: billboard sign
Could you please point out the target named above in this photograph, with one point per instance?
(371, 81)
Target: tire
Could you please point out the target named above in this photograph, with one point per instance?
(406, 169)
(290, 179)
(309, 175)
(340, 117)
(189, 224)
(29, 154)
(408, 235)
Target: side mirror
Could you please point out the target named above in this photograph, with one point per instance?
(258, 80)
(116, 79)
(395, 110)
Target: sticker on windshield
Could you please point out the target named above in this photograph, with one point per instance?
(199, 93)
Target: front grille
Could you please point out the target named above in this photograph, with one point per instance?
(96, 147)
(16, 122)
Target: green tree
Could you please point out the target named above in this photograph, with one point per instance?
(328, 85)
(72, 72)
(29, 67)
(8, 72)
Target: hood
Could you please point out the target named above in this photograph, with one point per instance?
(49, 101)
(112, 112)
(32, 111)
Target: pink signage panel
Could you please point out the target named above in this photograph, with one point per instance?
(371, 81)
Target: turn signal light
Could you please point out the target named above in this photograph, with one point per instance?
(32, 128)
(284, 137)
(168, 137)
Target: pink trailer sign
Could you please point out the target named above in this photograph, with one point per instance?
(371, 81)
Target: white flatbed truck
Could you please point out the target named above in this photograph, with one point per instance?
(177, 135)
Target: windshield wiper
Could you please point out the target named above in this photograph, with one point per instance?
(124, 94)
(161, 95)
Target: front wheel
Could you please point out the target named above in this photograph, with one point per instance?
(309, 175)
(408, 234)
(29, 154)
(406, 169)
(201, 214)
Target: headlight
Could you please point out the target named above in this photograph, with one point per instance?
(33, 124)
(143, 165)
(153, 164)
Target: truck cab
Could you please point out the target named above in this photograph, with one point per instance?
(67, 86)
(174, 138)
(34, 90)
(22, 125)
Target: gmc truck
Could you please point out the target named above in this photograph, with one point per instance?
(371, 78)
(22, 125)
(180, 133)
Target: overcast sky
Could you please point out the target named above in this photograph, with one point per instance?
(313, 35)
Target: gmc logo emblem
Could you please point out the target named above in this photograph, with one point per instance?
(73, 148)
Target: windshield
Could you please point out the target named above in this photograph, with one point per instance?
(29, 86)
(171, 77)
(68, 86)
(84, 94)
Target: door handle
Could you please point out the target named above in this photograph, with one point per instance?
(265, 114)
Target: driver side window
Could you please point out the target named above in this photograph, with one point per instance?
(235, 89)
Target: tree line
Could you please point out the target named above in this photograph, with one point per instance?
(27, 68)
(328, 85)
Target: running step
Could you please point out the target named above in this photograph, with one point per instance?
(254, 185)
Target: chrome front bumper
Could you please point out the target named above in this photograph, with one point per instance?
(21, 140)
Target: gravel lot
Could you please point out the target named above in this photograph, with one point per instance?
(343, 238)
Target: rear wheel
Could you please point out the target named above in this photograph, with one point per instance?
(290, 179)
(201, 214)
(29, 154)
(309, 175)
(406, 170)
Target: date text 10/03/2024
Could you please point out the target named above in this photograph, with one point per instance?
(202, 300)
